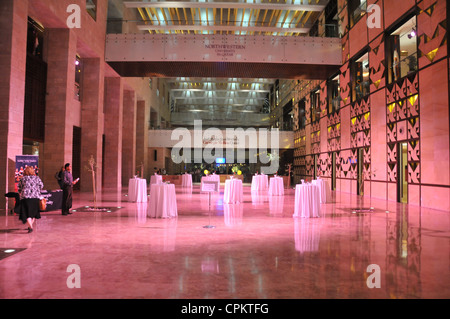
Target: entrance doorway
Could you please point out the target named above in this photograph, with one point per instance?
(402, 172)
(360, 171)
(333, 171)
(76, 151)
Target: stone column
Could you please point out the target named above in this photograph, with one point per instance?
(13, 41)
(142, 122)
(60, 54)
(129, 168)
(113, 133)
(92, 99)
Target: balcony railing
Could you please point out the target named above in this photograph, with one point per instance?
(119, 26)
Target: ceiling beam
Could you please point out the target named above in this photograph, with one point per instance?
(214, 102)
(215, 28)
(217, 107)
(225, 5)
(215, 91)
(216, 80)
(246, 99)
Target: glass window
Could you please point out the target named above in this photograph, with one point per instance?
(401, 51)
(35, 38)
(91, 8)
(78, 75)
(276, 96)
(315, 106)
(356, 9)
(360, 77)
(331, 20)
(301, 114)
(288, 116)
(334, 95)
(266, 106)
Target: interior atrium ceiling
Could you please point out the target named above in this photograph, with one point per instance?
(233, 92)
(289, 18)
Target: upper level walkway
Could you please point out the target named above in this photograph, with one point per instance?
(212, 55)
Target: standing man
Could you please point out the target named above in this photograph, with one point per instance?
(67, 183)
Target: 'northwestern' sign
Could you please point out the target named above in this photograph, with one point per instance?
(224, 50)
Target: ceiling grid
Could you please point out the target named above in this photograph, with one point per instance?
(288, 18)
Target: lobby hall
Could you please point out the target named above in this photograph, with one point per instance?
(228, 149)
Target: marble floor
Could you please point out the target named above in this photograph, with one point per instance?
(358, 248)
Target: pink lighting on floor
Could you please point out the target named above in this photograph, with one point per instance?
(256, 250)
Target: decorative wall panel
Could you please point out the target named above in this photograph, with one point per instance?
(391, 112)
(307, 109)
(315, 138)
(309, 166)
(432, 31)
(413, 173)
(401, 131)
(377, 64)
(354, 164)
(413, 151)
(346, 159)
(413, 105)
(366, 162)
(401, 110)
(354, 125)
(323, 105)
(402, 118)
(413, 128)
(324, 165)
(392, 172)
(360, 107)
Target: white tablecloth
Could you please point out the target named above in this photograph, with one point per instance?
(137, 190)
(233, 192)
(212, 177)
(155, 179)
(276, 186)
(260, 183)
(307, 201)
(163, 201)
(186, 180)
(324, 190)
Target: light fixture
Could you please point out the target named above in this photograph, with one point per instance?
(412, 34)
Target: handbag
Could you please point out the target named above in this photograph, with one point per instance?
(42, 204)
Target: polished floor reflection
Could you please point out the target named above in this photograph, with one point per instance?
(256, 249)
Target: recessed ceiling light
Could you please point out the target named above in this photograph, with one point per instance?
(8, 251)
